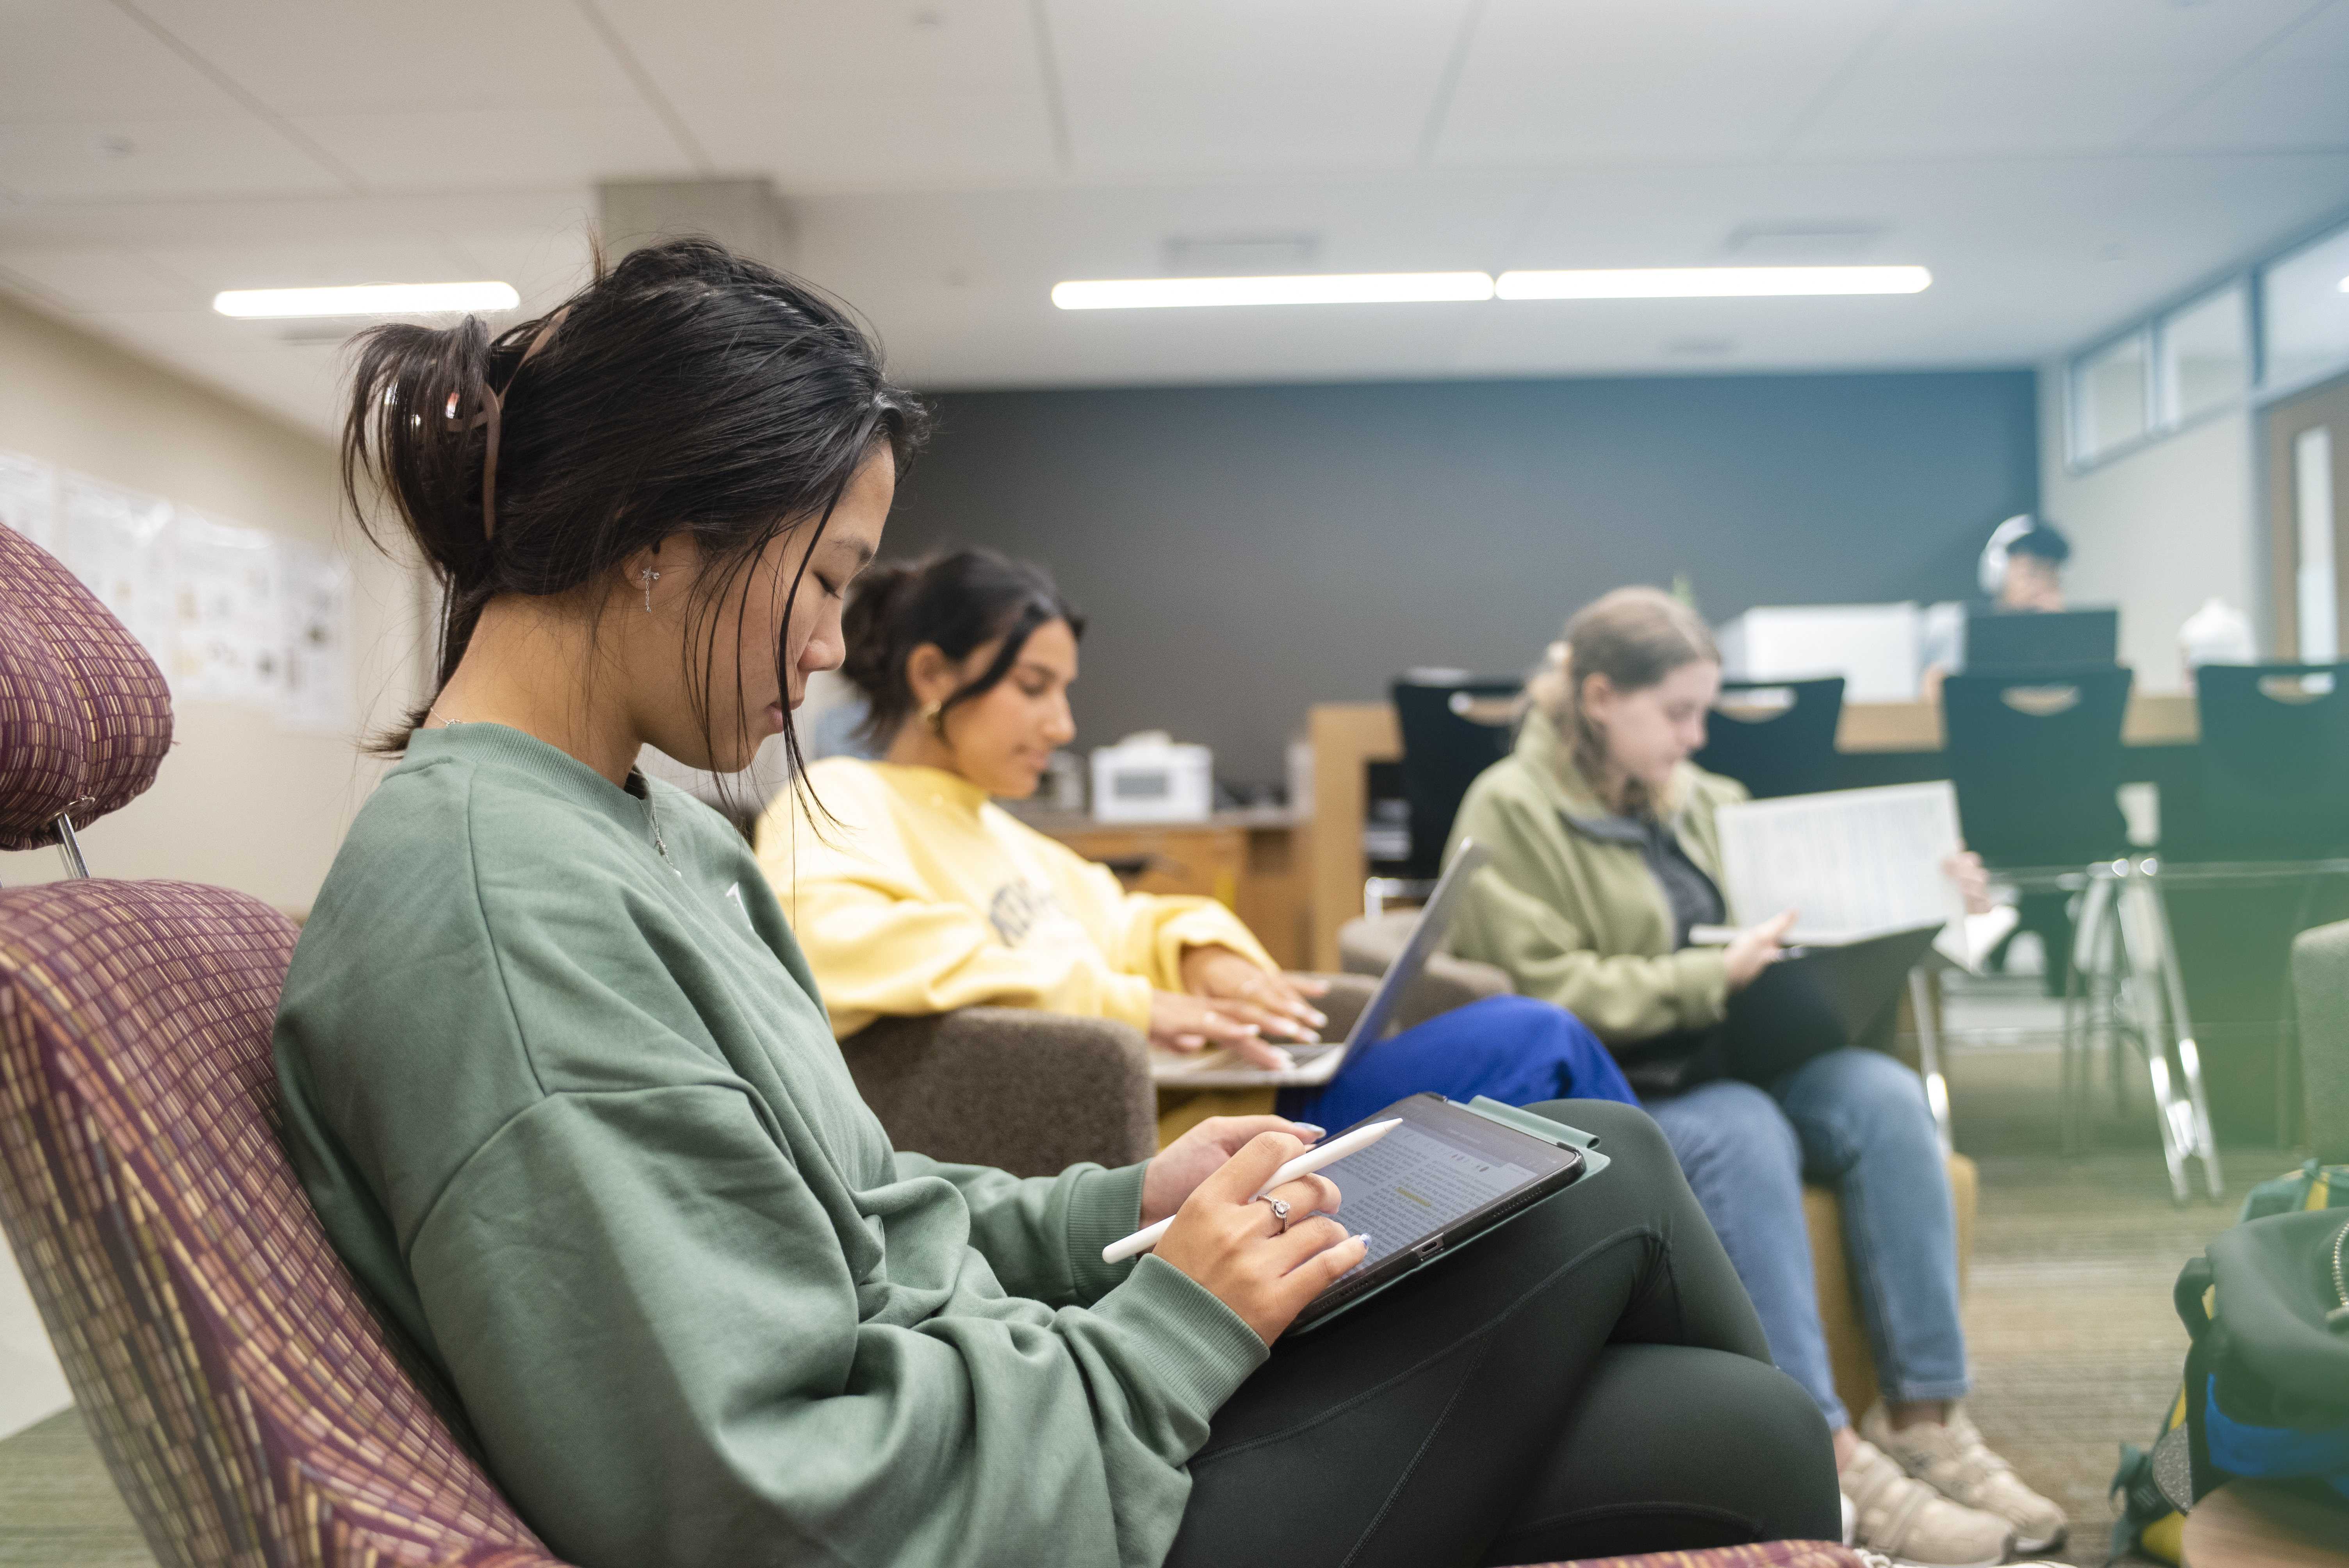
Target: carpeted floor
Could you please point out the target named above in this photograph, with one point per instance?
(2076, 1348)
(2074, 1345)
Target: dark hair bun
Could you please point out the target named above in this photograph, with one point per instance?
(881, 596)
(687, 389)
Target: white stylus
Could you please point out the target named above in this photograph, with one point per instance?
(1305, 1164)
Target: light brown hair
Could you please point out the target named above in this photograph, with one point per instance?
(1636, 637)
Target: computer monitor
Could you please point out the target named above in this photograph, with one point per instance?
(2032, 640)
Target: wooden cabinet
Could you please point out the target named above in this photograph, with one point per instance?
(1247, 861)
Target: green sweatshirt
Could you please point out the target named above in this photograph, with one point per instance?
(572, 1112)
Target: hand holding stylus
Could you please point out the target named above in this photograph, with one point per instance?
(1263, 1266)
(1325, 1153)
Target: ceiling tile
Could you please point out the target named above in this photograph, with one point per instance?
(2283, 102)
(1236, 85)
(572, 143)
(702, 50)
(1646, 80)
(108, 278)
(340, 57)
(295, 263)
(147, 160)
(1918, 112)
(71, 59)
(2322, 40)
(824, 142)
(1964, 36)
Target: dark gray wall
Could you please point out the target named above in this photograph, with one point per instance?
(1245, 551)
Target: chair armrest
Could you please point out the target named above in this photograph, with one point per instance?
(1367, 946)
(2319, 985)
(1029, 1092)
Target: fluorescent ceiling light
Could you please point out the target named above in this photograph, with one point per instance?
(1710, 283)
(367, 299)
(2344, 285)
(1355, 288)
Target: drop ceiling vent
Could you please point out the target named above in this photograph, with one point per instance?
(1799, 243)
(1241, 255)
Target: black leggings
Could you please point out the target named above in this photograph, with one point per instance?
(1588, 1381)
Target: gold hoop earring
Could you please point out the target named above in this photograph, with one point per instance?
(935, 716)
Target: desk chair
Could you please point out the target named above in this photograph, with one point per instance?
(2275, 761)
(2037, 760)
(1453, 728)
(1776, 737)
(249, 1406)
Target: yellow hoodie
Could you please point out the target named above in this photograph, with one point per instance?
(928, 897)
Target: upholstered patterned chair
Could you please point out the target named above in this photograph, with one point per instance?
(251, 1409)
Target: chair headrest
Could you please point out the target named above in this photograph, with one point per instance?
(85, 715)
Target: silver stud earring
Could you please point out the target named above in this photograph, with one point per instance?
(648, 577)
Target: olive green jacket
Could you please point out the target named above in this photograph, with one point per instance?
(1579, 920)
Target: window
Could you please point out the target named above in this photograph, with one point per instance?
(2108, 404)
(2305, 308)
(2205, 355)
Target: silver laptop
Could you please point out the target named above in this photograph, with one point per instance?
(1221, 1068)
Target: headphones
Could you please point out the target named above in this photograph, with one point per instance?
(1992, 575)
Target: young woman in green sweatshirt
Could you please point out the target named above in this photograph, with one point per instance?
(563, 1092)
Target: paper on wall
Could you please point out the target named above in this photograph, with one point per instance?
(229, 641)
(114, 540)
(1855, 862)
(314, 589)
(28, 499)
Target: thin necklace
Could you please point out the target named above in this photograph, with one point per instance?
(652, 812)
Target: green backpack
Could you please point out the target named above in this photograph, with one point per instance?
(2151, 1484)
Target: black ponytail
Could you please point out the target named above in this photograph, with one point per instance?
(956, 602)
(685, 389)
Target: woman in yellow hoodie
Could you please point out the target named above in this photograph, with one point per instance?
(926, 897)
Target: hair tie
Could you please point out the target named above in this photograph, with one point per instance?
(493, 408)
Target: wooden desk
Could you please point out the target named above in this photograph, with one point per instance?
(1345, 736)
(2246, 1524)
(1248, 860)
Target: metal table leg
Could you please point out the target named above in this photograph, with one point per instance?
(2189, 1056)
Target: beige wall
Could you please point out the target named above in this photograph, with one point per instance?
(2157, 532)
(239, 802)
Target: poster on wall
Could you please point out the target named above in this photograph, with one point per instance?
(314, 589)
(117, 542)
(28, 499)
(230, 641)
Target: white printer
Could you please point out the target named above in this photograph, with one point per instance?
(1148, 778)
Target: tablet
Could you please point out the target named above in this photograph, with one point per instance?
(1446, 1176)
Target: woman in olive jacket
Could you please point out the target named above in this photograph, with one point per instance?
(1606, 854)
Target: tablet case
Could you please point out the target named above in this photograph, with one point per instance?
(1516, 1120)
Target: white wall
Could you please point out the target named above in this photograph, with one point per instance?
(239, 802)
(2157, 532)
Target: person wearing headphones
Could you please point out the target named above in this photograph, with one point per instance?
(2021, 570)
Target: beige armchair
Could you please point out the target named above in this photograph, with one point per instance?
(2320, 982)
(1367, 944)
(1032, 1093)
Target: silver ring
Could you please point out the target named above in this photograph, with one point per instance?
(1279, 1212)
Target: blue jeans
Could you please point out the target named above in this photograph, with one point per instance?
(1858, 1121)
(1510, 1048)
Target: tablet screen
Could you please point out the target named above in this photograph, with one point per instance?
(1442, 1165)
